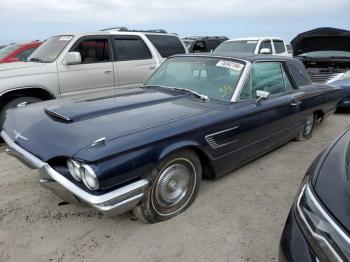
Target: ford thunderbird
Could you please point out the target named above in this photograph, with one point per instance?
(147, 149)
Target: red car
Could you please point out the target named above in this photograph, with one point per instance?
(17, 52)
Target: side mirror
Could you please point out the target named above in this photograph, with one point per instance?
(72, 58)
(262, 95)
(265, 51)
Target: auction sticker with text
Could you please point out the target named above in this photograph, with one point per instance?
(230, 64)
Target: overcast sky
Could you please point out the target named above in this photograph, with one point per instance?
(23, 20)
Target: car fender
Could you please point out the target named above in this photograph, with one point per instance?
(44, 89)
(181, 145)
(42, 77)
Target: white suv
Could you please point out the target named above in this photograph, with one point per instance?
(255, 45)
(85, 63)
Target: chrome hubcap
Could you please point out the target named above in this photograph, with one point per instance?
(172, 185)
(308, 126)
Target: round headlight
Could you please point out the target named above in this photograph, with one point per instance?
(89, 177)
(74, 169)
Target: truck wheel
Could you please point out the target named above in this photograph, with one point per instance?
(306, 132)
(174, 185)
(17, 102)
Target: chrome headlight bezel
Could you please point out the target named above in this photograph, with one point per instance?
(346, 75)
(74, 168)
(327, 239)
(89, 177)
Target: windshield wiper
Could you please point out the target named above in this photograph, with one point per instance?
(203, 97)
(35, 59)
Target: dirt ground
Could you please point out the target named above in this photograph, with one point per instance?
(239, 217)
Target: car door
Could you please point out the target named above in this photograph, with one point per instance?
(133, 61)
(95, 73)
(269, 123)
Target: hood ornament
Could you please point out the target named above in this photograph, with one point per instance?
(99, 142)
(19, 135)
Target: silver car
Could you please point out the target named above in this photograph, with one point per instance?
(85, 63)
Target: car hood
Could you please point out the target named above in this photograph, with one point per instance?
(332, 182)
(321, 39)
(69, 128)
(19, 65)
(19, 69)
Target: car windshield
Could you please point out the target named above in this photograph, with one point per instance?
(325, 54)
(8, 50)
(212, 77)
(239, 46)
(50, 49)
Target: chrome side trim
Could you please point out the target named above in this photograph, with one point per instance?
(212, 142)
(16, 151)
(223, 131)
(113, 203)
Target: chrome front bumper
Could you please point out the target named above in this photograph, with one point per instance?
(112, 203)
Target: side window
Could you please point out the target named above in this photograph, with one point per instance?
(167, 45)
(266, 44)
(130, 48)
(279, 46)
(199, 47)
(288, 84)
(93, 50)
(268, 76)
(211, 45)
(25, 54)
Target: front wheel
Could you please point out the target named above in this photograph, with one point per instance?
(307, 129)
(173, 188)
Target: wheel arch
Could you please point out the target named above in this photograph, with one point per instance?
(319, 115)
(33, 91)
(206, 161)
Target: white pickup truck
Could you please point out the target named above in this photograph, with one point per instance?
(85, 63)
(255, 45)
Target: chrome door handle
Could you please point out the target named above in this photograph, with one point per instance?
(152, 67)
(295, 103)
(108, 72)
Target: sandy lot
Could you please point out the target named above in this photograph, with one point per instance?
(236, 218)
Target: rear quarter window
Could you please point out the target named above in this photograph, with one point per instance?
(299, 73)
(167, 45)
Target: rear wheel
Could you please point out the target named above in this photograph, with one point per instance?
(307, 129)
(173, 188)
(16, 102)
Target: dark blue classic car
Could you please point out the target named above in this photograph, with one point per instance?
(146, 150)
(318, 226)
(345, 84)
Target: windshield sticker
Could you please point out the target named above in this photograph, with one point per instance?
(252, 42)
(65, 38)
(225, 91)
(231, 65)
